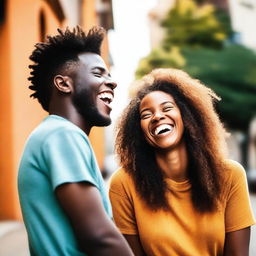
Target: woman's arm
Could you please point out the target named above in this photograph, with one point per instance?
(237, 242)
(135, 244)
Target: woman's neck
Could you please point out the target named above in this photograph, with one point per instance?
(174, 163)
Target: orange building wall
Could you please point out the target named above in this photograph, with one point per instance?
(6, 142)
(20, 114)
(88, 14)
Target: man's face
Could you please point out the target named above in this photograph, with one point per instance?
(93, 90)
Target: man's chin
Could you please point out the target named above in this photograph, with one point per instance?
(98, 120)
(103, 122)
(95, 118)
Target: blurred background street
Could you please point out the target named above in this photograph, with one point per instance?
(214, 41)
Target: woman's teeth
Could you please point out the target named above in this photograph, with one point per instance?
(163, 128)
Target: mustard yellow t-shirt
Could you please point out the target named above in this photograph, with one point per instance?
(183, 230)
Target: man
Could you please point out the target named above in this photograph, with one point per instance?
(63, 200)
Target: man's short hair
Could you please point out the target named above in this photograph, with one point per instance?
(58, 53)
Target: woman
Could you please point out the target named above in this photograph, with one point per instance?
(176, 193)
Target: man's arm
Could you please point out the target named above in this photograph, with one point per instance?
(135, 244)
(95, 232)
(237, 243)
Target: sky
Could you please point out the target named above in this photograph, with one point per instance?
(128, 42)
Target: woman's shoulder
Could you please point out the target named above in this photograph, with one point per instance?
(120, 180)
(234, 171)
(119, 175)
(234, 168)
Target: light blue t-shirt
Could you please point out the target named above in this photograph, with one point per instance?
(56, 152)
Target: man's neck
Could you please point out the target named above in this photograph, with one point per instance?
(69, 112)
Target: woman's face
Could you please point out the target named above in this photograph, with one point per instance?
(161, 120)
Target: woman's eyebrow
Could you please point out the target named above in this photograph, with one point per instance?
(167, 102)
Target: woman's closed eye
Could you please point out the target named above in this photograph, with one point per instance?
(167, 108)
(145, 115)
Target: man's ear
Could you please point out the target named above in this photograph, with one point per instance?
(63, 83)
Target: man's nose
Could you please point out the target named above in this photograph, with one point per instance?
(110, 83)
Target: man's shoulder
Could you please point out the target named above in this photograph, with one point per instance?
(54, 122)
(56, 132)
(55, 126)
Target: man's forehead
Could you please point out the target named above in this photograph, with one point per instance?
(92, 60)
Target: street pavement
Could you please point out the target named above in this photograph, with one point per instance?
(253, 228)
(13, 238)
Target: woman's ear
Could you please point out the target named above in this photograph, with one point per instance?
(63, 83)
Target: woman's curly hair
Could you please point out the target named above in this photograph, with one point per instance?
(60, 52)
(203, 132)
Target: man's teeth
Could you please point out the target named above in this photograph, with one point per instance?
(106, 97)
(163, 128)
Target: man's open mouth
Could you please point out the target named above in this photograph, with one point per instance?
(107, 97)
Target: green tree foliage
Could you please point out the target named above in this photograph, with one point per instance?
(196, 42)
(160, 58)
(193, 25)
(231, 74)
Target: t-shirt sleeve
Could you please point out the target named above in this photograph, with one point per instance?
(238, 213)
(122, 205)
(67, 156)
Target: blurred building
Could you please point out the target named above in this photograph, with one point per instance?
(22, 24)
(252, 145)
(156, 16)
(252, 153)
(243, 17)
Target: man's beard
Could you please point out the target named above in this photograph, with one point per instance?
(87, 109)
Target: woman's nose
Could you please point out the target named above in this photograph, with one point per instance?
(157, 116)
